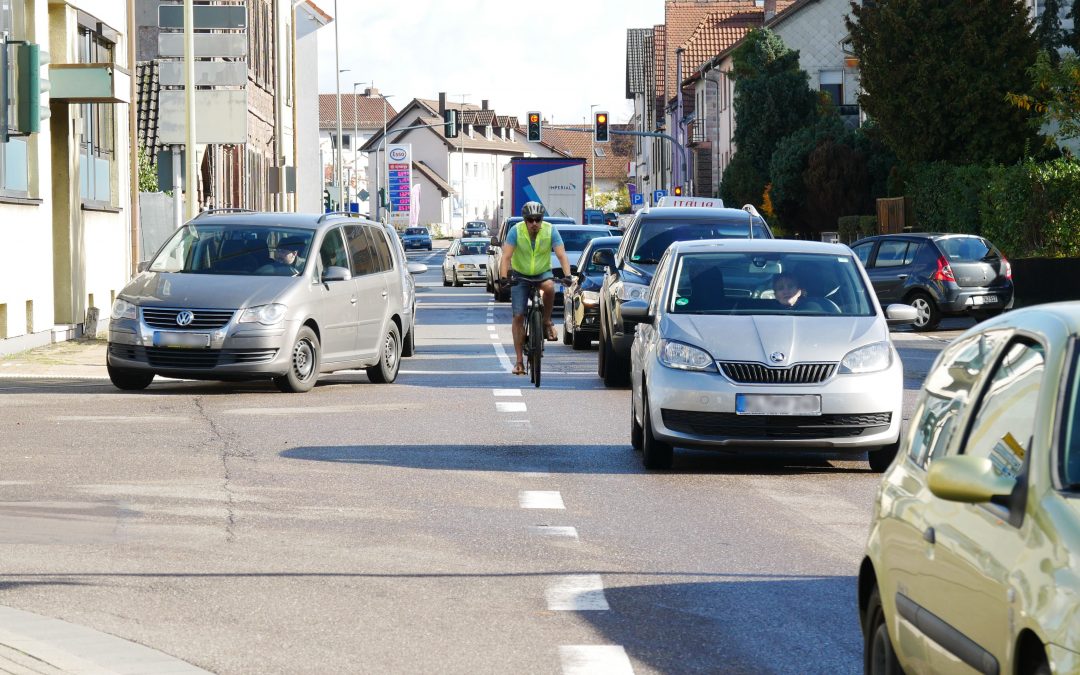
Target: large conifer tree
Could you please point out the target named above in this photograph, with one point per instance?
(935, 76)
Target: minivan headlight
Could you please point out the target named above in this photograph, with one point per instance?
(122, 309)
(630, 291)
(868, 359)
(682, 356)
(267, 315)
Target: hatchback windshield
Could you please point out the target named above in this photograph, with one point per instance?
(472, 248)
(577, 240)
(966, 249)
(416, 231)
(234, 249)
(769, 283)
(656, 234)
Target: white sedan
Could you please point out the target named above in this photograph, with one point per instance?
(466, 262)
(764, 344)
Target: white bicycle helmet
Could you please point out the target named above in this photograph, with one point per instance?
(532, 209)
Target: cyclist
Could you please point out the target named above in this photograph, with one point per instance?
(527, 251)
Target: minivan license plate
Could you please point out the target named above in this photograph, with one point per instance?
(777, 404)
(172, 339)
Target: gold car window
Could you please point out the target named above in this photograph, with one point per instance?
(1004, 424)
(1071, 462)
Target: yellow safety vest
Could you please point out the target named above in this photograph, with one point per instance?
(527, 259)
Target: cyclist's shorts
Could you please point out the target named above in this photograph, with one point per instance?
(519, 293)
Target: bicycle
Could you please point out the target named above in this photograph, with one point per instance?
(533, 344)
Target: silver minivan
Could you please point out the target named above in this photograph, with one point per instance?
(240, 295)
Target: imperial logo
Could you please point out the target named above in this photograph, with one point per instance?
(570, 187)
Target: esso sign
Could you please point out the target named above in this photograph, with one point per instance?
(398, 154)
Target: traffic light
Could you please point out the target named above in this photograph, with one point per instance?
(29, 87)
(450, 129)
(328, 206)
(4, 85)
(535, 128)
(677, 191)
(600, 128)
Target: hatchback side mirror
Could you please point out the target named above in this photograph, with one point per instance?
(637, 310)
(900, 314)
(604, 258)
(964, 478)
(417, 268)
(494, 242)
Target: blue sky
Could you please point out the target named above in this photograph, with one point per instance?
(556, 56)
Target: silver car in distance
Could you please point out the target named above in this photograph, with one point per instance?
(243, 295)
(764, 343)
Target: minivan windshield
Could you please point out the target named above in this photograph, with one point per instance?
(656, 234)
(234, 249)
(769, 283)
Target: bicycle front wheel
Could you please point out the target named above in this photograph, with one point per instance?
(536, 344)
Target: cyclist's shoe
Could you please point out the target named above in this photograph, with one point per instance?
(549, 332)
(519, 369)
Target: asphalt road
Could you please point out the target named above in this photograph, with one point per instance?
(457, 521)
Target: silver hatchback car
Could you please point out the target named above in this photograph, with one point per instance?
(767, 344)
(240, 295)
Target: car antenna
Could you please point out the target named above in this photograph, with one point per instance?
(751, 213)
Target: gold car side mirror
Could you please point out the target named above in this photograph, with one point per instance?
(963, 478)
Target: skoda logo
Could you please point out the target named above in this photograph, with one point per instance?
(184, 318)
(397, 154)
(777, 357)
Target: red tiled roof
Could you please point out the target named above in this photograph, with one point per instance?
(578, 144)
(369, 110)
(659, 47)
(716, 32)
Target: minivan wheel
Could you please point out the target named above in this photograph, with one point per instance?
(130, 380)
(386, 370)
(878, 654)
(303, 364)
(929, 316)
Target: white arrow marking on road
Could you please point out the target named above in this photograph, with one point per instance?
(540, 499)
(594, 660)
(577, 593)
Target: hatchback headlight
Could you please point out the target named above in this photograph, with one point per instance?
(685, 357)
(122, 309)
(465, 266)
(267, 315)
(590, 297)
(630, 291)
(869, 359)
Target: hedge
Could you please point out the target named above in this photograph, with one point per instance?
(948, 198)
(853, 228)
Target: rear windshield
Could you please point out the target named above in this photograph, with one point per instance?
(415, 230)
(656, 234)
(966, 249)
(577, 240)
(769, 283)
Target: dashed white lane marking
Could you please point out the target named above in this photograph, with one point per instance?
(555, 531)
(509, 406)
(577, 593)
(492, 328)
(491, 321)
(534, 474)
(506, 392)
(123, 419)
(594, 660)
(540, 499)
(504, 359)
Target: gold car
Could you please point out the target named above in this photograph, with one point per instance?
(971, 561)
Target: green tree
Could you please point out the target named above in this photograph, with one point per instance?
(1073, 39)
(1055, 97)
(148, 180)
(1048, 32)
(935, 75)
(837, 184)
(786, 169)
(772, 97)
(742, 183)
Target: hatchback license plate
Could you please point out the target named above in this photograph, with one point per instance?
(985, 299)
(191, 340)
(777, 404)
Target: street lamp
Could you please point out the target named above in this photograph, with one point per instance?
(463, 216)
(354, 137)
(378, 150)
(337, 65)
(592, 160)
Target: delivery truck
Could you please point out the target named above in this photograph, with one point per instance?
(556, 182)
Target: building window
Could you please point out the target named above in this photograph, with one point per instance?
(97, 148)
(832, 83)
(14, 168)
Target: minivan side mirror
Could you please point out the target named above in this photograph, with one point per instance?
(604, 258)
(143, 265)
(636, 310)
(334, 273)
(417, 268)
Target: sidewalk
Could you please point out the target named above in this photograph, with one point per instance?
(71, 359)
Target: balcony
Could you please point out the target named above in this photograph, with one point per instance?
(695, 133)
(89, 83)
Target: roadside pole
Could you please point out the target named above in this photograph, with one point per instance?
(191, 186)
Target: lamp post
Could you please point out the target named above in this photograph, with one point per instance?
(355, 133)
(379, 149)
(463, 216)
(592, 158)
(337, 66)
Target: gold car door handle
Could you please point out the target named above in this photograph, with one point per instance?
(929, 535)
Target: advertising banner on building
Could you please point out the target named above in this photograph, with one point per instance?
(399, 181)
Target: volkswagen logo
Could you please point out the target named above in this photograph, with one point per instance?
(776, 357)
(184, 318)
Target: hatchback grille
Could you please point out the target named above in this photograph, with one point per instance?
(160, 357)
(758, 373)
(774, 426)
(204, 319)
